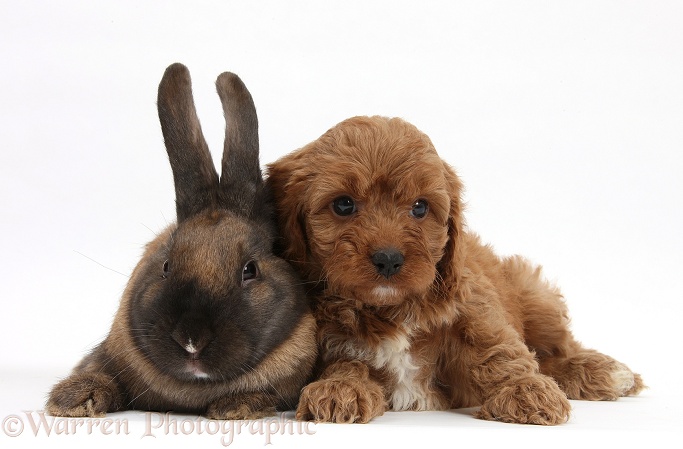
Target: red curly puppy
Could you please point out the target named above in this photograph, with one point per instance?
(414, 312)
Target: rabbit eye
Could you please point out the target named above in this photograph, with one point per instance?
(249, 272)
(344, 206)
(166, 270)
(420, 209)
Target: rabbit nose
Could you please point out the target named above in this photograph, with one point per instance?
(193, 346)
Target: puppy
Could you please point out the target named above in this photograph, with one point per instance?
(414, 312)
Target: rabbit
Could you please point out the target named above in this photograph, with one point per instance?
(211, 322)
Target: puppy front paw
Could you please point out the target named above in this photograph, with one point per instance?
(245, 407)
(341, 401)
(84, 395)
(537, 400)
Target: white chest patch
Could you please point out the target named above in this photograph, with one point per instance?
(394, 355)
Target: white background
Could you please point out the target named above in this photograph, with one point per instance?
(564, 119)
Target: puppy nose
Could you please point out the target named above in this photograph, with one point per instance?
(387, 261)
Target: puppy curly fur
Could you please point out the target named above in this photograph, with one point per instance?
(455, 325)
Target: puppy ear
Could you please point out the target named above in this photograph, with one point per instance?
(288, 180)
(451, 265)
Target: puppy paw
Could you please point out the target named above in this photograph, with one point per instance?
(537, 400)
(625, 382)
(84, 395)
(341, 401)
(246, 407)
(593, 376)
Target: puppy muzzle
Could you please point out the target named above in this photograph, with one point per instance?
(387, 261)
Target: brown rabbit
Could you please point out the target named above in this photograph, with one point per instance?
(211, 322)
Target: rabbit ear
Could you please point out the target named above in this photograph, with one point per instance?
(241, 181)
(194, 174)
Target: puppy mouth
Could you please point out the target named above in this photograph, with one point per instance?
(384, 295)
(385, 292)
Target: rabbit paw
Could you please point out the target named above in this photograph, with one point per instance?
(341, 401)
(84, 395)
(537, 400)
(247, 407)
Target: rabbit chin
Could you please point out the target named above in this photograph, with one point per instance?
(194, 369)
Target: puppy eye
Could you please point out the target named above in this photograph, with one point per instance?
(249, 272)
(344, 206)
(166, 269)
(420, 208)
